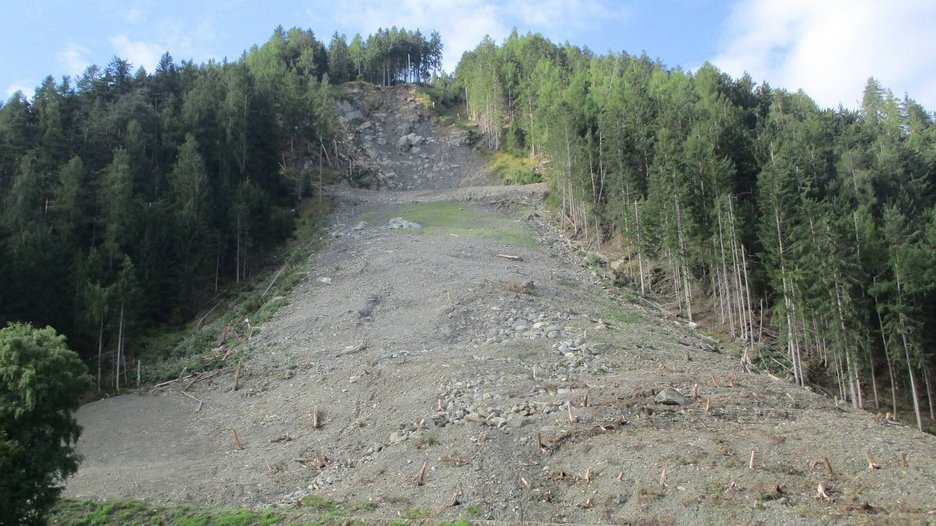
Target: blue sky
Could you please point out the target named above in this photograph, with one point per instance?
(827, 47)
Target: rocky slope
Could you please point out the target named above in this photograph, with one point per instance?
(448, 355)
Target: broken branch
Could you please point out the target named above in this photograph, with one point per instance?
(199, 400)
(539, 443)
(421, 476)
(238, 444)
(508, 256)
(237, 374)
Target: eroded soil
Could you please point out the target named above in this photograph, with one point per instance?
(523, 384)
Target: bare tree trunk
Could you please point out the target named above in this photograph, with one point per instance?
(119, 349)
(887, 357)
(913, 388)
(100, 349)
(321, 184)
(874, 388)
(237, 254)
(640, 269)
(929, 390)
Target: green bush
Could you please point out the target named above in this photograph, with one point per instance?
(41, 384)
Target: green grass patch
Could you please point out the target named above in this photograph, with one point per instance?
(513, 169)
(621, 315)
(93, 513)
(459, 219)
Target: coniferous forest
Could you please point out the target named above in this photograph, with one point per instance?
(807, 234)
(129, 197)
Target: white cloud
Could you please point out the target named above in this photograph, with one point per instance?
(137, 52)
(17, 86)
(183, 41)
(830, 48)
(72, 59)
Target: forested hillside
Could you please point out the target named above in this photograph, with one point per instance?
(129, 197)
(808, 234)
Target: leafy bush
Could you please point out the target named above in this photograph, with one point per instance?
(41, 384)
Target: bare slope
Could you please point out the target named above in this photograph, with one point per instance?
(524, 402)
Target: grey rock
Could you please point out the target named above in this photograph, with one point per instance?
(396, 437)
(497, 421)
(400, 223)
(670, 396)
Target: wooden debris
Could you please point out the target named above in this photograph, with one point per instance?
(589, 476)
(663, 484)
(903, 460)
(201, 376)
(586, 505)
(558, 475)
(526, 288)
(620, 477)
(510, 257)
(828, 466)
(316, 462)
(456, 499)
(708, 405)
(439, 408)
(238, 444)
(199, 400)
(732, 486)
(282, 438)
(237, 374)
(315, 417)
(714, 381)
(539, 443)
(751, 463)
(822, 493)
(421, 476)
(572, 418)
(695, 392)
(525, 483)
(871, 465)
(585, 400)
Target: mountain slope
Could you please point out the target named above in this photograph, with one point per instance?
(454, 348)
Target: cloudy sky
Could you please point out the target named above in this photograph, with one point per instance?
(826, 47)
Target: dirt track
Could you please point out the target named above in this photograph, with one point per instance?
(425, 345)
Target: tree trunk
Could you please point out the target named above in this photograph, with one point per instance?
(640, 270)
(119, 349)
(913, 388)
(100, 349)
(890, 367)
(929, 390)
